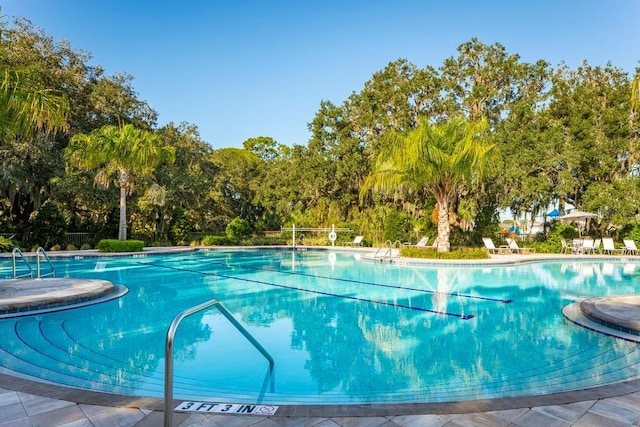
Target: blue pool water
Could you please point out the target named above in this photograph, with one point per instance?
(339, 329)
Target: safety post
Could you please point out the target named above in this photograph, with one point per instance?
(332, 235)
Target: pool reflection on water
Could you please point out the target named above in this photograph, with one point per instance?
(340, 330)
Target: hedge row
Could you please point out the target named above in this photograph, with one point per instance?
(114, 245)
(462, 253)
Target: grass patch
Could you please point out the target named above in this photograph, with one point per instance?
(460, 253)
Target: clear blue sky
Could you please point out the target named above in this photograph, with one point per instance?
(239, 69)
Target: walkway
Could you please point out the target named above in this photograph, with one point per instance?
(26, 403)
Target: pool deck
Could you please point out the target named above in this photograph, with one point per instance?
(29, 403)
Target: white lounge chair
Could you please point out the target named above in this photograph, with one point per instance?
(608, 247)
(356, 242)
(630, 247)
(421, 244)
(587, 246)
(488, 244)
(513, 247)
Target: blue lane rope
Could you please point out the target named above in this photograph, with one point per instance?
(338, 279)
(205, 273)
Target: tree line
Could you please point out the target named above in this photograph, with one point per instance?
(432, 150)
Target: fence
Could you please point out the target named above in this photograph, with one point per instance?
(78, 239)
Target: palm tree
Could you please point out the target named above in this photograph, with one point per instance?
(125, 151)
(26, 106)
(441, 159)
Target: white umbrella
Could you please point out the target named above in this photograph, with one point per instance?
(579, 216)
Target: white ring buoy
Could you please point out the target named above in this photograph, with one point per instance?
(332, 236)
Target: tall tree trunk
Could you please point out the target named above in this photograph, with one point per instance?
(122, 224)
(443, 224)
(123, 180)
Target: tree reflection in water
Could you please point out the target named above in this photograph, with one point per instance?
(345, 332)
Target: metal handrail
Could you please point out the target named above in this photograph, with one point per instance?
(40, 251)
(388, 247)
(168, 358)
(17, 251)
(381, 248)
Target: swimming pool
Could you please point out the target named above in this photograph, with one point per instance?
(340, 330)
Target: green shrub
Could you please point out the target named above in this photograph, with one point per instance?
(55, 248)
(108, 227)
(180, 226)
(239, 229)
(632, 233)
(546, 247)
(310, 239)
(71, 247)
(267, 241)
(396, 227)
(48, 226)
(270, 221)
(218, 241)
(85, 247)
(113, 245)
(462, 253)
(553, 243)
(6, 244)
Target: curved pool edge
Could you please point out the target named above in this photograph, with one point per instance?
(89, 397)
(598, 392)
(26, 297)
(494, 260)
(587, 315)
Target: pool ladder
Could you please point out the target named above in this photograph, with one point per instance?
(40, 252)
(168, 357)
(387, 249)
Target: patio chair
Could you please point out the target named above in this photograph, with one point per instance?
(434, 245)
(566, 247)
(630, 247)
(421, 244)
(513, 247)
(608, 247)
(577, 243)
(588, 246)
(356, 242)
(488, 244)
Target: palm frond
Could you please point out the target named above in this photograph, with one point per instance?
(27, 107)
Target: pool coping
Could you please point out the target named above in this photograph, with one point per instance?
(494, 260)
(91, 397)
